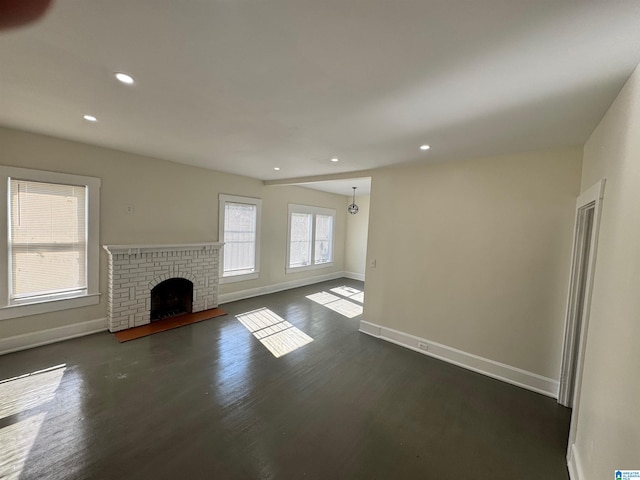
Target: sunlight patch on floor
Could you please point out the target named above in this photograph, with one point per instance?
(358, 297)
(339, 304)
(21, 393)
(346, 291)
(345, 307)
(17, 395)
(322, 298)
(16, 440)
(274, 332)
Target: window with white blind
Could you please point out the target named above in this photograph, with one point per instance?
(47, 239)
(310, 237)
(240, 232)
(51, 256)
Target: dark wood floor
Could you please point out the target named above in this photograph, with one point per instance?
(209, 401)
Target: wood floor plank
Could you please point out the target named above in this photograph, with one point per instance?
(209, 401)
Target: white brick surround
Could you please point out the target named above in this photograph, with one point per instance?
(135, 269)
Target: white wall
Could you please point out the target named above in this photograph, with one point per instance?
(475, 254)
(355, 257)
(173, 203)
(608, 422)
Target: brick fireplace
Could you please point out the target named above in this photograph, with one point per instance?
(135, 270)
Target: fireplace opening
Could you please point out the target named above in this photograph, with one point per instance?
(171, 298)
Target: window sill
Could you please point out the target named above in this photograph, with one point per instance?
(239, 278)
(36, 308)
(308, 267)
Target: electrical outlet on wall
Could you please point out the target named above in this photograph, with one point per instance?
(372, 263)
(423, 346)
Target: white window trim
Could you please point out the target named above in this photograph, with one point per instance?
(295, 208)
(72, 300)
(223, 199)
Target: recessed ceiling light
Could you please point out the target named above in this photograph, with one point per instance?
(424, 147)
(276, 169)
(125, 78)
(90, 118)
(334, 160)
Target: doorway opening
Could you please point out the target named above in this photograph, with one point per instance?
(576, 306)
(585, 244)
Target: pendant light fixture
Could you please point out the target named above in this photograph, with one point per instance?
(353, 208)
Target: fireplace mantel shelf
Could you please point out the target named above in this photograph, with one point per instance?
(138, 249)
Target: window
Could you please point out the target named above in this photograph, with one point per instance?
(323, 239)
(240, 232)
(47, 244)
(310, 237)
(50, 261)
(300, 240)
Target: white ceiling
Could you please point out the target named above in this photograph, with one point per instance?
(244, 86)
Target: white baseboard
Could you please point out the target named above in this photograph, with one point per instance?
(475, 363)
(573, 464)
(277, 287)
(51, 335)
(354, 276)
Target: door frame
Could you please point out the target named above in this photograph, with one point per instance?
(591, 197)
